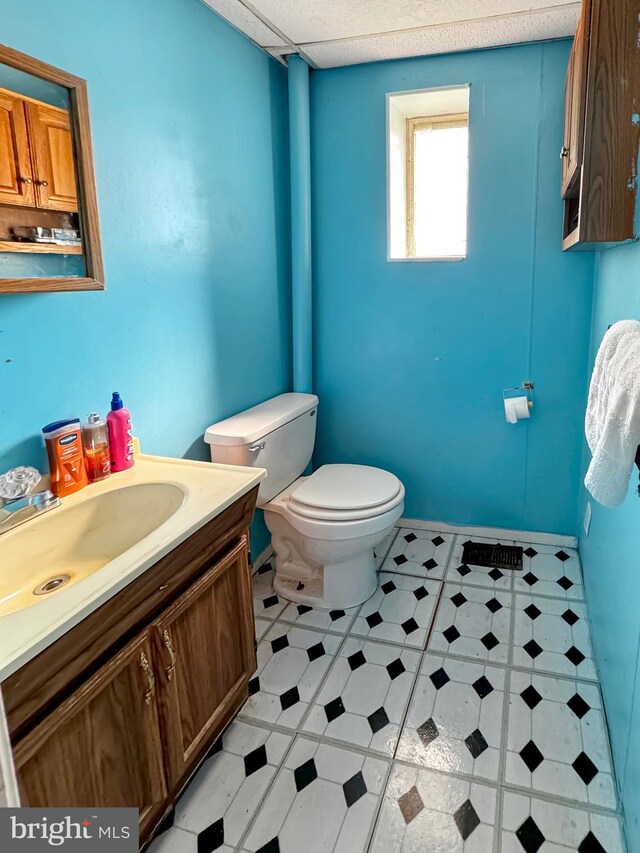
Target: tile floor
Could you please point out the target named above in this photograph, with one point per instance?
(456, 710)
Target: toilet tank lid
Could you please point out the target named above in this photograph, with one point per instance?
(253, 424)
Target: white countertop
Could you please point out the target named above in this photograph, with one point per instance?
(208, 490)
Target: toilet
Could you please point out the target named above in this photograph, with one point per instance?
(324, 526)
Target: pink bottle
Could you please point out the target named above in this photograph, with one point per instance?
(120, 435)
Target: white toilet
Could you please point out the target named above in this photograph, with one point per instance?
(323, 527)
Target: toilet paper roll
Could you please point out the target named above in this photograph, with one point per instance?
(516, 408)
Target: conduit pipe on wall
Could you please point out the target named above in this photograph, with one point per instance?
(300, 164)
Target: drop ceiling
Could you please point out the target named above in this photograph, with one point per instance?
(329, 33)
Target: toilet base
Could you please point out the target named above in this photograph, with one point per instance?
(323, 573)
(329, 587)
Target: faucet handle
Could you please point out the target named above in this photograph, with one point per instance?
(18, 482)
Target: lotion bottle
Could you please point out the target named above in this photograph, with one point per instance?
(120, 435)
(63, 440)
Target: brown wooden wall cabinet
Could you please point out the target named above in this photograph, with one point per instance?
(16, 181)
(123, 708)
(37, 166)
(66, 145)
(602, 133)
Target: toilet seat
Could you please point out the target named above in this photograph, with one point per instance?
(345, 515)
(345, 493)
(334, 527)
(341, 485)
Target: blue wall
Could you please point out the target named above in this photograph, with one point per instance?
(411, 358)
(611, 560)
(190, 129)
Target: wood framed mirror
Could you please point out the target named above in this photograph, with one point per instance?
(49, 228)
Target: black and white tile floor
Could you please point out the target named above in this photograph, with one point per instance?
(456, 711)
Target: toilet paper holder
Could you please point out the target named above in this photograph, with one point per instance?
(527, 387)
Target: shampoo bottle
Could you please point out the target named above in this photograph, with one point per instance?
(120, 435)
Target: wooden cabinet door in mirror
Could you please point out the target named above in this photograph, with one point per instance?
(16, 178)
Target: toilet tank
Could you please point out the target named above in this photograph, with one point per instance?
(278, 435)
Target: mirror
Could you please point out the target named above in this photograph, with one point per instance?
(49, 232)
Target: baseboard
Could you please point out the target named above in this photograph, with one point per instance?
(262, 558)
(533, 537)
(493, 532)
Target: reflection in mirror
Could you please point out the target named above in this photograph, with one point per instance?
(39, 219)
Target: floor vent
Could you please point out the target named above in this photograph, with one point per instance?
(492, 556)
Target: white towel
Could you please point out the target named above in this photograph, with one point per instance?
(612, 422)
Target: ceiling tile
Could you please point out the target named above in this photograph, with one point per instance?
(554, 23)
(248, 23)
(305, 21)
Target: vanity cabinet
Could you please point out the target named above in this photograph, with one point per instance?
(602, 133)
(122, 709)
(205, 653)
(37, 165)
(102, 745)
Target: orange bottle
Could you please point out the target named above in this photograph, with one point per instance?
(95, 441)
(63, 440)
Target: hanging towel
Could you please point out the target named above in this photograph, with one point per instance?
(612, 422)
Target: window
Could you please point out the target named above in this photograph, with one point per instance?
(428, 157)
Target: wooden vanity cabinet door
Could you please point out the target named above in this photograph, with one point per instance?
(53, 158)
(102, 746)
(205, 656)
(16, 179)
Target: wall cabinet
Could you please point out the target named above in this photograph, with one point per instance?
(52, 157)
(123, 708)
(575, 95)
(16, 181)
(37, 165)
(601, 135)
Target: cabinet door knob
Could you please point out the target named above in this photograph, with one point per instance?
(44, 183)
(26, 180)
(151, 681)
(166, 636)
(564, 151)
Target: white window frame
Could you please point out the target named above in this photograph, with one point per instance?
(401, 127)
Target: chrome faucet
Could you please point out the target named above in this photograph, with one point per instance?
(18, 501)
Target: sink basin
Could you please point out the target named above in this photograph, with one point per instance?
(58, 549)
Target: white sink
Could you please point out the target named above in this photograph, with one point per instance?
(80, 554)
(51, 553)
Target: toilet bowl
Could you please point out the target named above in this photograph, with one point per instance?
(324, 542)
(324, 526)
